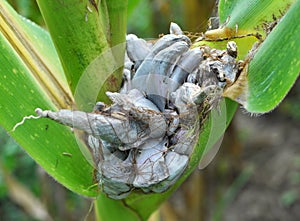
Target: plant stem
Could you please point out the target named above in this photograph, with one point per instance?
(77, 33)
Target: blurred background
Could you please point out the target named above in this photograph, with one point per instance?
(255, 175)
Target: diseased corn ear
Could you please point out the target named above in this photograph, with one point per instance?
(144, 140)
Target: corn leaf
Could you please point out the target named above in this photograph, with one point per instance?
(273, 69)
(250, 15)
(31, 77)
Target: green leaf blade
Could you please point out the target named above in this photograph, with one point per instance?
(276, 65)
(250, 14)
(33, 46)
(53, 146)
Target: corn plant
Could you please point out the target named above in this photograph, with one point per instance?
(81, 57)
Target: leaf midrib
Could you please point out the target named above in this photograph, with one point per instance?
(59, 95)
